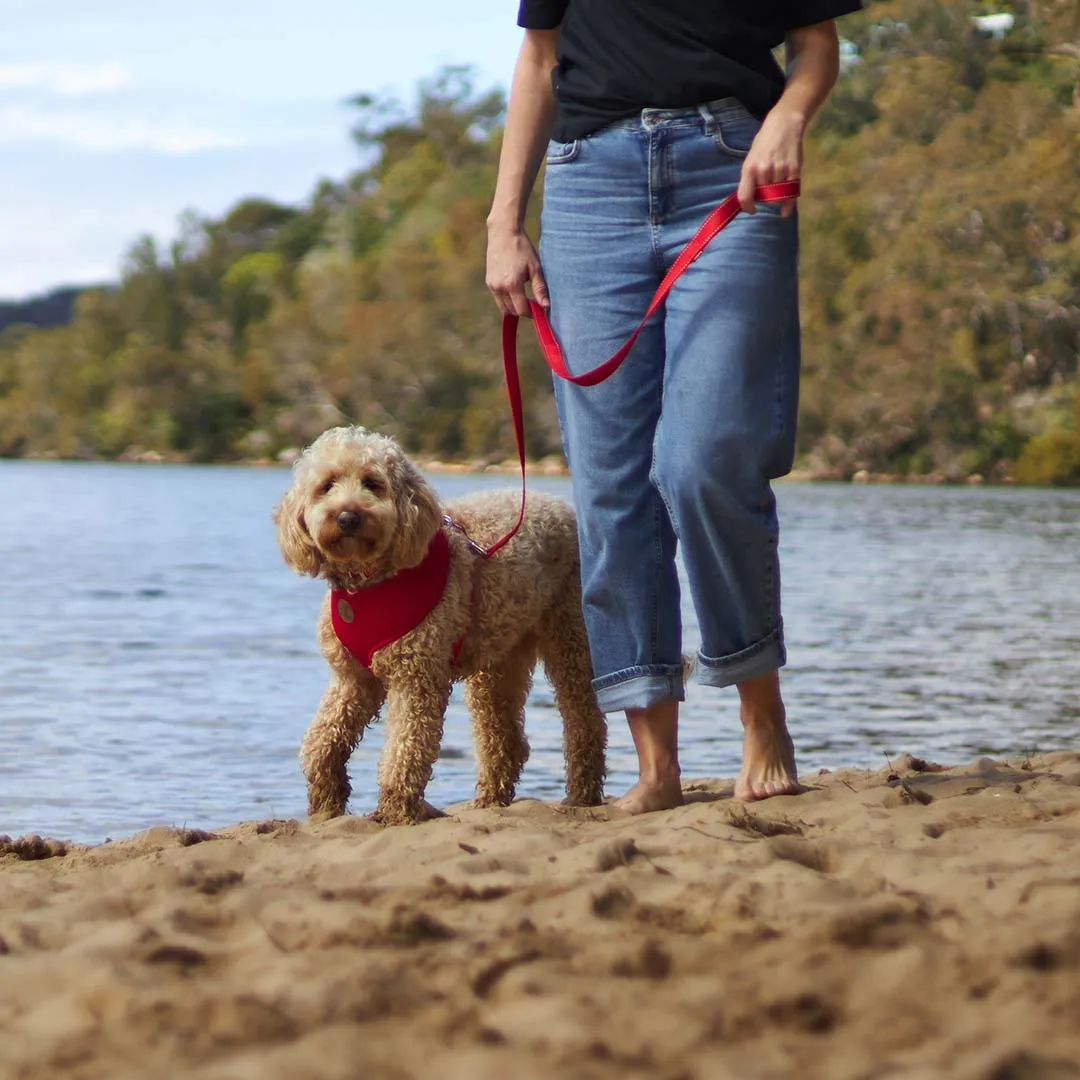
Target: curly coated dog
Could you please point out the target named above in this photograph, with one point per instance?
(413, 607)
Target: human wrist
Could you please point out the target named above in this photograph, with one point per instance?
(503, 222)
(793, 115)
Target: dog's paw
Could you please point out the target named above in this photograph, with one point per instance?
(327, 801)
(485, 800)
(405, 813)
(589, 799)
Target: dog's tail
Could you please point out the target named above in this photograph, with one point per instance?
(689, 666)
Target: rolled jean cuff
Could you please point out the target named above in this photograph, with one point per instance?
(763, 656)
(639, 687)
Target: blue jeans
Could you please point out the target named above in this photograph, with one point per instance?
(680, 444)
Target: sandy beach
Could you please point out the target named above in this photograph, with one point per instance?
(905, 923)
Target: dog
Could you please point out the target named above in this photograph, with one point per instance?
(360, 515)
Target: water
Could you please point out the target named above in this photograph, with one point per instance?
(158, 662)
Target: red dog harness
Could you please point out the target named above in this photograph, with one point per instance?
(367, 619)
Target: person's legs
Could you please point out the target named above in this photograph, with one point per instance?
(601, 262)
(727, 428)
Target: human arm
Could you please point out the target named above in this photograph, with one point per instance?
(511, 258)
(777, 151)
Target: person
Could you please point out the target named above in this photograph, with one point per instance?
(646, 113)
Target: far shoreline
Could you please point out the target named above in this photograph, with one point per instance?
(552, 466)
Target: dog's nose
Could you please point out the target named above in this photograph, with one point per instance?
(348, 521)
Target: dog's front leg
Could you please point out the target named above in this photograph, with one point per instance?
(347, 707)
(414, 729)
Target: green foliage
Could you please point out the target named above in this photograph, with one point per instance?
(248, 287)
(1053, 458)
(940, 294)
(941, 283)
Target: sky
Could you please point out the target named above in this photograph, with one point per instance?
(116, 116)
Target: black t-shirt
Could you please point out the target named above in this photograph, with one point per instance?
(617, 57)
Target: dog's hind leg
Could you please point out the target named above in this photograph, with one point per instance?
(347, 707)
(564, 650)
(496, 701)
(414, 727)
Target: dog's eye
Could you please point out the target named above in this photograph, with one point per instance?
(373, 484)
(325, 486)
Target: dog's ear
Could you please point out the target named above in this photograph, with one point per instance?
(418, 515)
(294, 540)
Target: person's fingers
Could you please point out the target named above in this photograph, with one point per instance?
(539, 287)
(499, 297)
(773, 173)
(519, 302)
(748, 184)
(790, 172)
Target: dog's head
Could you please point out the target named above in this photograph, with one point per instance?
(357, 510)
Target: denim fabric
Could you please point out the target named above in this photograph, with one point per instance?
(679, 446)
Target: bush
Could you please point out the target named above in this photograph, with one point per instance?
(1052, 458)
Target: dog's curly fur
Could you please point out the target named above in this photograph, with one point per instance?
(508, 611)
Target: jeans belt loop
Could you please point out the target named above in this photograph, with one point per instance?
(709, 118)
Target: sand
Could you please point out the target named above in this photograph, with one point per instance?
(906, 923)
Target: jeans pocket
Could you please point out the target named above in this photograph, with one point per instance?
(562, 153)
(734, 129)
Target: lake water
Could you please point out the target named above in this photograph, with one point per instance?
(158, 662)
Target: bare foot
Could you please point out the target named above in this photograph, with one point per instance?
(768, 761)
(646, 796)
(655, 731)
(768, 753)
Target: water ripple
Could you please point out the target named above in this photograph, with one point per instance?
(169, 675)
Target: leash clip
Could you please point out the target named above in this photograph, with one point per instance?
(450, 523)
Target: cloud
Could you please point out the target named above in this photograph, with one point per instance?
(37, 107)
(65, 80)
(86, 130)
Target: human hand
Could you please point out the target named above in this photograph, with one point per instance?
(512, 263)
(776, 154)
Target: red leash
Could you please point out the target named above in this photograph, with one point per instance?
(718, 220)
